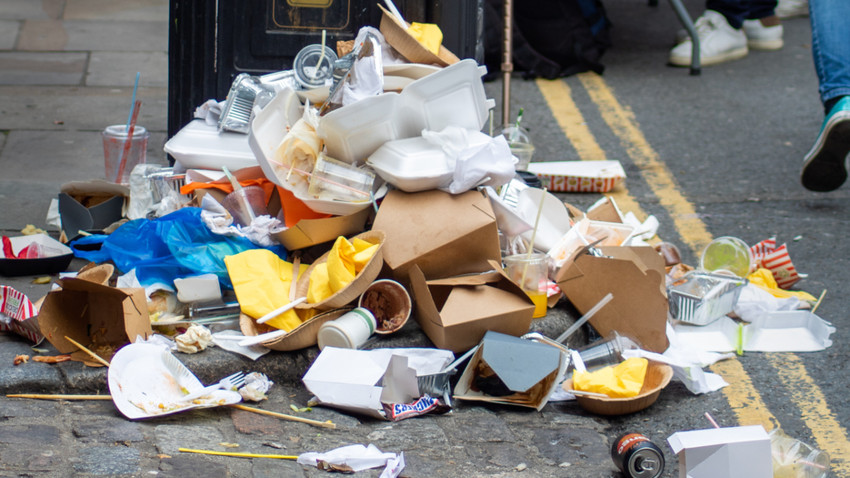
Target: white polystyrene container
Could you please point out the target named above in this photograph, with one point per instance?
(412, 164)
(200, 146)
(452, 96)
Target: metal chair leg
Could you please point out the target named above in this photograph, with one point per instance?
(685, 18)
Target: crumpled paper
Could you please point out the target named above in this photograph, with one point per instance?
(195, 339)
(354, 458)
(345, 260)
(219, 221)
(478, 159)
(210, 111)
(619, 381)
(256, 386)
(754, 302)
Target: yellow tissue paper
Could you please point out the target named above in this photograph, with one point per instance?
(428, 35)
(620, 381)
(261, 281)
(345, 260)
(763, 278)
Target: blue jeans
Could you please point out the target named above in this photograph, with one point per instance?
(831, 46)
(736, 11)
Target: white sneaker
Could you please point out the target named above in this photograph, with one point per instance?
(718, 42)
(792, 8)
(760, 37)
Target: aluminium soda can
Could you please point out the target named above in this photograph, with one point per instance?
(637, 457)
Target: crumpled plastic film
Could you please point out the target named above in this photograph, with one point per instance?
(620, 381)
(764, 279)
(261, 281)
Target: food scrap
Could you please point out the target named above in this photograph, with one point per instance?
(19, 359)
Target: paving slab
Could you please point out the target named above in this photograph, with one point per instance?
(92, 35)
(131, 10)
(111, 68)
(24, 9)
(81, 108)
(9, 33)
(42, 68)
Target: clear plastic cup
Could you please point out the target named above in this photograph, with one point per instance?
(114, 148)
(246, 204)
(793, 458)
(520, 144)
(607, 351)
(531, 272)
(727, 254)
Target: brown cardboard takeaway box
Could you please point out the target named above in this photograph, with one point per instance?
(97, 316)
(635, 277)
(444, 234)
(456, 312)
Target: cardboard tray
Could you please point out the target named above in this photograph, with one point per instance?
(41, 265)
(658, 375)
(303, 336)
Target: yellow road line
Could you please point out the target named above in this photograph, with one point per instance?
(559, 97)
(742, 396)
(829, 435)
(622, 122)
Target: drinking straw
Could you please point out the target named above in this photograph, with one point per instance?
(533, 235)
(394, 10)
(134, 115)
(280, 310)
(89, 352)
(236, 188)
(45, 396)
(710, 419)
(322, 56)
(133, 102)
(584, 318)
(240, 455)
(325, 424)
(515, 132)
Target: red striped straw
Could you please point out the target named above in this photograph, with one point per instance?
(129, 141)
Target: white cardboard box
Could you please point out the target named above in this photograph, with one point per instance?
(733, 452)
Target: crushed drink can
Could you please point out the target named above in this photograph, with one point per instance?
(637, 457)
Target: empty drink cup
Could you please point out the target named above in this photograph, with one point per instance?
(350, 331)
(520, 145)
(531, 272)
(727, 253)
(606, 352)
(245, 204)
(120, 158)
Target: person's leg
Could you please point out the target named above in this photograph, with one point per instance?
(825, 165)
(720, 36)
(763, 28)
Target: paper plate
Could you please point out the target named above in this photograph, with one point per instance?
(303, 336)
(145, 380)
(658, 375)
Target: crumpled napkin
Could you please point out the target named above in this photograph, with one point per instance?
(345, 260)
(195, 339)
(478, 159)
(620, 381)
(261, 281)
(354, 458)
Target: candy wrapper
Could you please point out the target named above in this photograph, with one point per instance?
(425, 404)
(777, 260)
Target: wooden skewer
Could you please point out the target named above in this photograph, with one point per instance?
(587, 394)
(84, 349)
(236, 454)
(42, 396)
(285, 417)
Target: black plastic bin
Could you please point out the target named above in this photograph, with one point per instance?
(212, 41)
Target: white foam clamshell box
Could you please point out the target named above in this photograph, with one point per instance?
(453, 96)
(200, 146)
(412, 164)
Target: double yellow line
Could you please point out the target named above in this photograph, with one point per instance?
(743, 397)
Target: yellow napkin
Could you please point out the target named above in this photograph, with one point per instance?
(428, 35)
(764, 279)
(345, 260)
(261, 281)
(620, 381)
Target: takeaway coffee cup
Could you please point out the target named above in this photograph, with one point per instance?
(531, 272)
(389, 302)
(349, 331)
(119, 157)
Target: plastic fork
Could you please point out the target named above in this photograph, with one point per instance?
(230, 382)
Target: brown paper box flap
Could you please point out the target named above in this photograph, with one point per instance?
(309, 232)
(395, 32)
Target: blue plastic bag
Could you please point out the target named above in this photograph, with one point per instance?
(173, 246)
